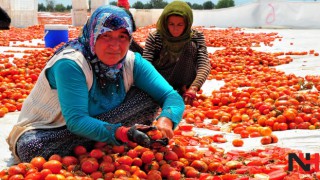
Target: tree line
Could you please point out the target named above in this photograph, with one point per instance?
(51, 6)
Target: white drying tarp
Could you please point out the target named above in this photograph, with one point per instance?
(305, 140)
(258, 14)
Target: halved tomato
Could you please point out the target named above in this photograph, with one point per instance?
(186, 127)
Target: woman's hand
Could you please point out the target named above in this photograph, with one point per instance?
(190, 94)
(165, 125)
(136, 134)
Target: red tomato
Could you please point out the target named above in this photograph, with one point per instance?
(174, 175)
(89, 165)
(170, 156)
(96, 153)
(237, 142)
(147, 156)
(55, 157)
(120, 173)
(27, 167)
(132, 153)
(140, 174)
(16, 177)
(79, 150)
(158, 156)
(15, 169)
(155, 134)
(254, 134)
(96, 175)
(178, 165)
(154, 174)
(53, 165)
(199, 165)
(266, 140)
(292, 125)
(69, 160)
(192, 173)
(179, 150)
(45, 172)
(165, 170)
(290, 114)
(274, 138)
(153, 165)
(304, 125)
(34, 176)
(137, 161)
(107, 167)
(38, 162)
(54, 177)
(118, 149)
(244, 134)
(124, 160)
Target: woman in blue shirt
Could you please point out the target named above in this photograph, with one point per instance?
(92, 90)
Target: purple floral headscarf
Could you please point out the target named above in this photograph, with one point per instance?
(104, 19)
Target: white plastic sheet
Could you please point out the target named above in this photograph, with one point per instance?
(305, 140)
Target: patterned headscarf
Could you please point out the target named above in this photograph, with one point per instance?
(175, 44)
(104, 19)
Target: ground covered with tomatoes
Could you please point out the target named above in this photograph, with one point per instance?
(259, 104)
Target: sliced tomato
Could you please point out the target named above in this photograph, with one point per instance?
(234, 152)
(254, 169)
(243, 178)
(213, 127)
(273, 167)
(292, 176)
(188, 133)
(222, 139)
(261, 176)
(242, 170)
(216, 136)
(204, 176)
(256, 161)
(277, 175)
(193, 142)
(186, 127)
(229, 176)
(190, 148)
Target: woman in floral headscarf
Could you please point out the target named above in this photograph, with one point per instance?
(177, 51)
(85, 94)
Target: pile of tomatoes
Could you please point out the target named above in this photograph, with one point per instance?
(255, 101)
(172, 162)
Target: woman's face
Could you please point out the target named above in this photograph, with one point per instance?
(112, 46)
(176, 25)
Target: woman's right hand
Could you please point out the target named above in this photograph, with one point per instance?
(136, 134)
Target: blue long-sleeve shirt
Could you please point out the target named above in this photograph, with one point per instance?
(79, 105)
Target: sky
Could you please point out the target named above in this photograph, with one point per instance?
(237, 2)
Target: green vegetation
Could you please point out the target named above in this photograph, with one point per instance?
(50, 5)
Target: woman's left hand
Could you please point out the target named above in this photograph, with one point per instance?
(190, 94)
(165, 125)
